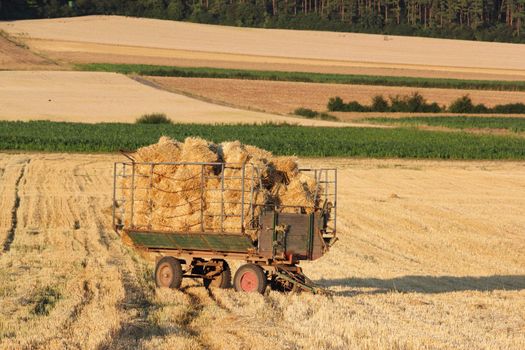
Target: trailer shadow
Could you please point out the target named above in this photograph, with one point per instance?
(426, 284)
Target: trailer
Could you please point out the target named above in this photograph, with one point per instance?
(271, 239)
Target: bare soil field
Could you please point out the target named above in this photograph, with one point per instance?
(93, 97)
(285, 97)
(430, 257)
(113, 38)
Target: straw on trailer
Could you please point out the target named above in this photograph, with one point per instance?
(190, 196)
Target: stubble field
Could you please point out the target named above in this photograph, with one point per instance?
(140, 40)
(429, 257)
(94, 97)
(285, 97)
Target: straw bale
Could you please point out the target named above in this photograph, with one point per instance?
(233, 152)
(169, 198)
(287, 165)
(298, 195)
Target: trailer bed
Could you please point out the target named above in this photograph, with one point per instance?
(211, 242)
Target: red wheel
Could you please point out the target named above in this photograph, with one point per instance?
(250, 278)
(168, 273)
(249, 281)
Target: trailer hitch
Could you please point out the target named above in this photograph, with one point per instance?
(299, 281)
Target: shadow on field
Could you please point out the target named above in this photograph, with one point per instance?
(427, 284)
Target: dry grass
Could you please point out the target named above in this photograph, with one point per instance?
(285, 97)
(108, 97)
(430, 256)
(143, 38)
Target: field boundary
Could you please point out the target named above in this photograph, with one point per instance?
(145, 81)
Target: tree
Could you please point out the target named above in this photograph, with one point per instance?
(175, 10)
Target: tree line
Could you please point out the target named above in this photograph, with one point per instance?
(488, 20)
(416, 103)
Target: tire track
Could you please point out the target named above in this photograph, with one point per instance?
(136, 327)
(193, 313)
(61, 336)
(198, 302)
(14, 211)
(136, 305)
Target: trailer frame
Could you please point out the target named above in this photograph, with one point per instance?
(272, 242)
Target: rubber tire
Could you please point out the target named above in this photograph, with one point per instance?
(262, 281)
(223, 280)
(173, 267)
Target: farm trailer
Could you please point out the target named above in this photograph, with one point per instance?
(272, 244)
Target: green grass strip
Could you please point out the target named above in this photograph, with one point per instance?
(509, 123)
(280, 139)
(203, 72)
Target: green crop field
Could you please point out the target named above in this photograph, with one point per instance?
(203, 72)
(280, 139)
(508, 123)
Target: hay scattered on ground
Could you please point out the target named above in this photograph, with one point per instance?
(191, 197)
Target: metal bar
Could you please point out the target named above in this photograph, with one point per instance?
(335, 201)
(311, 231)
(114, 192)
(252, 208)
(326, 182)
(274, 232)
(229, 215)
(242, 197)
(202, 198)
(230, 165)
(132, 194)
(149, 196)
(316, 184)
(123, 211)
(222, 198)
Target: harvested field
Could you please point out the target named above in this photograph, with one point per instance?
(285, 97)
(15, 55)
(83, 53)
(430, 256)
(107, 97)
(147, 39)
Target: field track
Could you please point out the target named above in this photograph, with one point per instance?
(93, 97)
(430, 256)
(157, 42)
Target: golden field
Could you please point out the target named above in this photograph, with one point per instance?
(284, 97)
(430, 253)
(38, 48)
(430, 256)
(142, 38)
(93, 97)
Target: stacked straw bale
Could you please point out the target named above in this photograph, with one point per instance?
(189, 197)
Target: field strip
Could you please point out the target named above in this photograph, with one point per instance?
(108, 97)
(46, 45)
(314, 45)
(286, 96)
(149, 81)
(256, 105)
